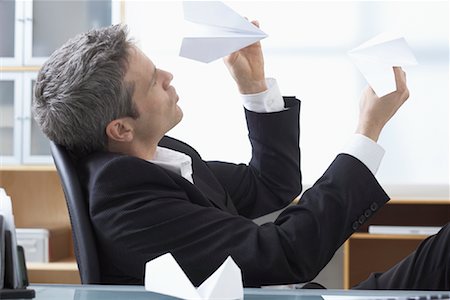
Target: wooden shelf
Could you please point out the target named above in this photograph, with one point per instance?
(37, 196)
(38, 201)
(419, 201)
(63, 271)
(68, 264)
(366, 253)
(20, 69)
(26, 168)
(371, 236)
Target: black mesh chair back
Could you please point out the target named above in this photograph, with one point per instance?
(82, 230)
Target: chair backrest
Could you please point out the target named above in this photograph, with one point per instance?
(82, 230)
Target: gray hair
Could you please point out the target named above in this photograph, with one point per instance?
(81, 89)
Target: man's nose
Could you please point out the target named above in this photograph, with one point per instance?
(167, 79)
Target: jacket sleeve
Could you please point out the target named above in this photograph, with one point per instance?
(139, 219)
(273, 178)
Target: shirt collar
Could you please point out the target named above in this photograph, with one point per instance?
(174, 161)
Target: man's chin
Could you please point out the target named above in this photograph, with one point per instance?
(180, 115)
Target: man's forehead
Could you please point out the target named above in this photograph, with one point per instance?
(138, 65)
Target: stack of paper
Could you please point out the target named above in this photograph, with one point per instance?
(421, 230)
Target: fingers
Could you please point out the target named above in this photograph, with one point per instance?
(400, 79)
(400, 82)
(369, 91)
(256, 23)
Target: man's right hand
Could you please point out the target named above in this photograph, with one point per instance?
(375, 112)
(247, 68)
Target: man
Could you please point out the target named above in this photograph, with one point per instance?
(109, 105)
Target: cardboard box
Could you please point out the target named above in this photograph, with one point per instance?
(44, 244)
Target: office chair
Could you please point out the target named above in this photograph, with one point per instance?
(82, 230)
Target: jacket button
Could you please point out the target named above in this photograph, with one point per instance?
(374, 206)
(355, 225)
(361, 219)
(367, 213)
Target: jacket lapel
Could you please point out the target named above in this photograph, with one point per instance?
(205, 182)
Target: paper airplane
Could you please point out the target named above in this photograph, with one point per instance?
(376, 57)
(216, 31)
(163, 275)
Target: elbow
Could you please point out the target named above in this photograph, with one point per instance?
(307, 272)
(295, 190)
(308, 275)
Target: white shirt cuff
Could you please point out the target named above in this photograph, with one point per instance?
(265, 102)
(366, 150)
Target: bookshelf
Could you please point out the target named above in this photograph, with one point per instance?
(366, 253)
(38, 201)
(35, 190)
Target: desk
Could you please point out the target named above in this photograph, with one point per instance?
(108, 292)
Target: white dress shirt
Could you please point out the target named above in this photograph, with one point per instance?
(174, 161)
(359, 146)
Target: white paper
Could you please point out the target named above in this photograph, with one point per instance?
(7, 213)
(341, 297)
(215, 31)
(422, 230)
(376, 57)
(163, 275)
(345, 297)
(375, 297)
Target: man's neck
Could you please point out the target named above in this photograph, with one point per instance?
(143, 151)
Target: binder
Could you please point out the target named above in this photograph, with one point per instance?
(10, 290)
(2, 252)
(13, 272)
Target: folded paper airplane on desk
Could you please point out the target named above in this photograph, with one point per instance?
(163, 275)
(216, 31)
(376, 57)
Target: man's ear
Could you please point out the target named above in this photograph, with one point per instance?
(120, 130)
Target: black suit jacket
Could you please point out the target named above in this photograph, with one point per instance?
(140, 210)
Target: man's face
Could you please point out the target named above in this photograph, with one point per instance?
(155, 99)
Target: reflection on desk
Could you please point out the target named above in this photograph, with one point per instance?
(115, 292)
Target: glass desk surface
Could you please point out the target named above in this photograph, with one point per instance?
(109, 292)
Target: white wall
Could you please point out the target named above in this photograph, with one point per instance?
(306, 52)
